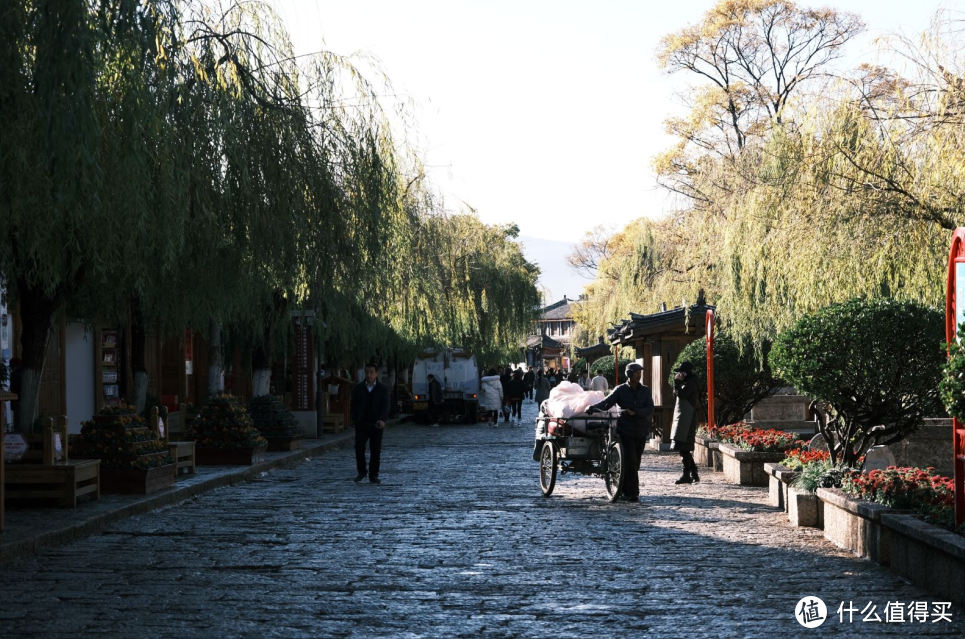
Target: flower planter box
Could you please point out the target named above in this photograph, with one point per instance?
(293, 442)
(706, 453)
(804, 509)
(229, 456)
(746, 467)
(855, 525)
(927, 555)
(779, 480)
(137, 481)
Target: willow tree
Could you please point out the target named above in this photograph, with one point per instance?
(752, 57)
(78, 138)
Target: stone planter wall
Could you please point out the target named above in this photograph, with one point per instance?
(779, 479)
(855, 525)
(706, 453)
(927, 555)
(804, 509)
(745, 467)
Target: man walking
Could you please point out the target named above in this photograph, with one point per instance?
(370, 409)
(632, 425)
(599, 382)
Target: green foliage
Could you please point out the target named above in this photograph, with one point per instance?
(821, 474)
(876, 364)
(272, 418)
(952, 385)
(181, 160)
(741, 380)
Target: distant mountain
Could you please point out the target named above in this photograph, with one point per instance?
(555, 274)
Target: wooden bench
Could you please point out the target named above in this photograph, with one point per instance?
(183, 452)
(44, 473)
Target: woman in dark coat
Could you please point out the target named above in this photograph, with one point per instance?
(514, 392)
(684, 430)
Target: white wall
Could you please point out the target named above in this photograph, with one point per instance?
(79, 355)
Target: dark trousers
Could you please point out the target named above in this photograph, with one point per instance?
(529, 392)
(632, 453)
(516, 406)
(373, 435)
(690, 466)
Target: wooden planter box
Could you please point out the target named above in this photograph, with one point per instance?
(138, 481)
(779, 480)
(64, 482)
(293, 442)
(804, 509)
(228, 456)
(855, 525)
(927, 555)
(707, 454)
(745, 467)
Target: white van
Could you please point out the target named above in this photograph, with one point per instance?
(456, 370)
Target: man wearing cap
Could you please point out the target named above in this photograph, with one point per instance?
(636, 403)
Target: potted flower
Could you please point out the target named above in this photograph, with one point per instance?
(275, 423)
(133, 459)
(224, 435)
(744, 451)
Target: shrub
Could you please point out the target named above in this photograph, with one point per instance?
(931, 496)
(952, 386)
(876, 364)
(798, 457)
(821, 474)
(754, 439)
(740, 379)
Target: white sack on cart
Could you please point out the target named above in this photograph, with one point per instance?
(568, 400)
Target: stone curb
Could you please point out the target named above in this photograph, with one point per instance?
(145, 503)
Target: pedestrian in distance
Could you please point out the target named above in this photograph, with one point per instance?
(370, 410)
(543, 388)
(599, 383)
(515, 390)
(529, 380)
(491, 395)
(684, 429)
(583, 381)
(551, 377)
(436, 400)
(633, 425)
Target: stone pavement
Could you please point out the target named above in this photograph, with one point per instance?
(456, 542)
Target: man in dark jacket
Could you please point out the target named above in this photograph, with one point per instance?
(437, 400)
(529, 380)
(636, 403)
(370, 409)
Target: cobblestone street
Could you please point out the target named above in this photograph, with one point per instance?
(457, 542)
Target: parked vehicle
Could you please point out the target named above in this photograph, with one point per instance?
(456, 370)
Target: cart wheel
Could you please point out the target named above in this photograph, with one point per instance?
(613, 474)
(548, 460)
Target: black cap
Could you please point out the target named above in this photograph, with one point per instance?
(686, 367)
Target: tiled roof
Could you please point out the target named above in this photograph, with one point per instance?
(643, 325)
(558, 310)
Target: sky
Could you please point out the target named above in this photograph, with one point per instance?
(541, 113)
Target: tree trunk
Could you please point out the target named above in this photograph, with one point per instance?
(36, 315)
(216, 368)
(138, 359)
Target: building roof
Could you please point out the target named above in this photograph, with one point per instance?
(677, 319)
(595, 351)
(558, 310)
(543, 341)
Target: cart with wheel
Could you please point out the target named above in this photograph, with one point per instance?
(582, 444)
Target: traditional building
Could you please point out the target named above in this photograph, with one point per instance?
(549, 344)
